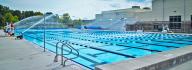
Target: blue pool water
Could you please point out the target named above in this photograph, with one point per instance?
(103, 47)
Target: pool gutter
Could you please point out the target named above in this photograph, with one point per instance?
(159, 61)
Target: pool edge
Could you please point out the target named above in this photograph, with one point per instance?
(159, 61)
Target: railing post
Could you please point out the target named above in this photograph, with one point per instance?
(44, 34)
(62, 55)
(64, 43)
(56, 56)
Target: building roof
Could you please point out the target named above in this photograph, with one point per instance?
(128, 10)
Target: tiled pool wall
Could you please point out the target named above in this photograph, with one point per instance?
(160, 61)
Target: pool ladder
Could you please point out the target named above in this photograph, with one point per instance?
(66, 44)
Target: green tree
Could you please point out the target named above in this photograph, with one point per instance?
(28, 13)
(15, 19)
(2, 21)
(17, 13)
(9, 17)
(67, 19)
(38, 13)
(4, 9)
(147, 8)
(78, 22)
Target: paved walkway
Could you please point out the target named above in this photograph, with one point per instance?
(2, 34)
(23, 55)
(184, 66)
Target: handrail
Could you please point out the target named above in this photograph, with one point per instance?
(75, 51)
(56, 56)
(77, 55)
(65, 43)
(65, 50)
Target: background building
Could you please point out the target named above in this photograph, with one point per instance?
(116, 19)
(175, 15)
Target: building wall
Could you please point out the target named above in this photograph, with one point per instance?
(145, 16)
(107, 17)
(188, 9)
(171, 8)
(161, 12)
(159, 15)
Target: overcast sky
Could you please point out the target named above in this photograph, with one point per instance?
(84, 9)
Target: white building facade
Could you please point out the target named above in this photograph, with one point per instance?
(163, 9)
(116, 19)
(175, 14)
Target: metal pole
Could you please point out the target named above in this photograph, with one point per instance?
(62, 54)
(163, 14)
(57, 18)
(124, 25)
(163, 10)
(44, 34)
(184, 16)
(1, 17)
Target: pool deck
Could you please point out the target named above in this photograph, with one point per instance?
(184, 66)
(2, 34)
(23, 55)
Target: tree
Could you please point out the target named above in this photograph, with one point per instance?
(2, 21)
(66, 19)
(9, 17)
(38, 13)
(17, 13)
(15, 19)
(27, 13)
(78, 22)
(4, 9)
(147, 8)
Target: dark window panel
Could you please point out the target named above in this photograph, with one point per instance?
(175, 22)
(191, 21)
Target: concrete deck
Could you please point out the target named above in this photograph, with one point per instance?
(2, 34)
(23, 55)
(184, 66)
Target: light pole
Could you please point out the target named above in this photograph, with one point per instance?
(44, 47)
(57, 20)
(0, 15)
(163, 16)
(124, 23)
(184, 13)
(163, 10)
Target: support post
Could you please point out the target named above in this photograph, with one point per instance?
(44, 47)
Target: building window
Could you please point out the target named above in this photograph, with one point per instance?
(131, 27)
(175, 22)
(191, 21)
(156, 27)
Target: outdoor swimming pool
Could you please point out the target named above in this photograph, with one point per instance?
(103, 47)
